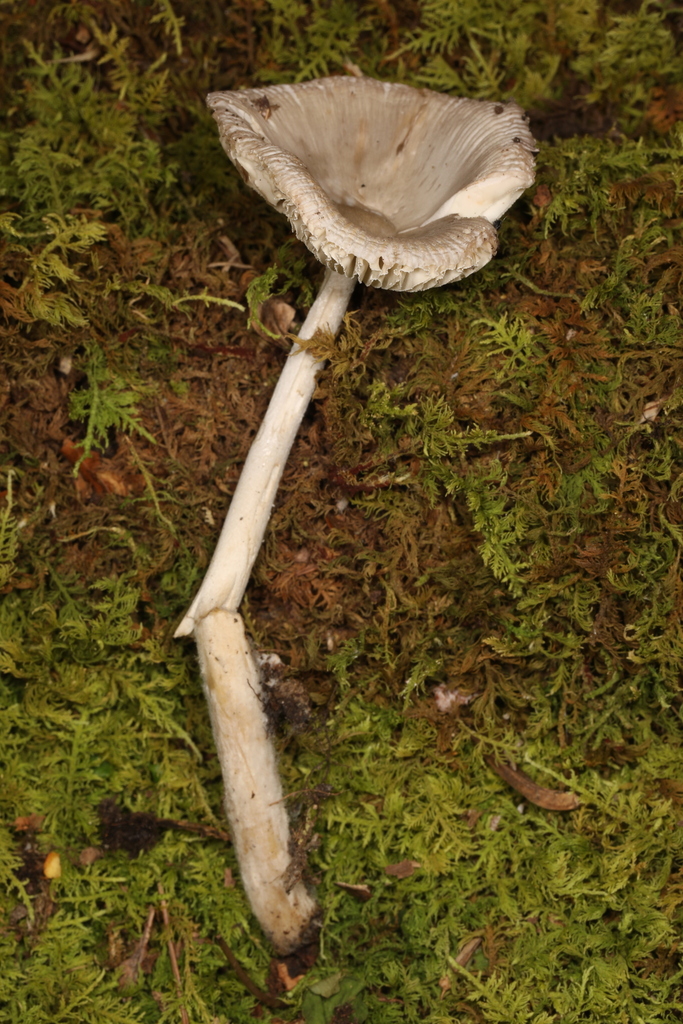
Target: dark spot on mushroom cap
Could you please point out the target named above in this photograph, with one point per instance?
(265, 107)
(498, 109)
(516, 139)
(400, 147)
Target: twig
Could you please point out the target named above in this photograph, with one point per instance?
(207, 831)
(230, 264)
(132, 964)
(468, 951)
(263, 997)
(150, 487)
(147, 931)
(551, 799)
(172, 956)
(92, 53)
(534, 287)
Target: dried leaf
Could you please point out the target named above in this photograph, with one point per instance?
(139, 959)
(98, 474)
(404, 869)
(29, 823)
(551, 799)
(542, 196)
(651, 410)
(129, 969)
(233, 257)
(352, 69)
(284, 977)
(362, 893)
(18, 914)
(89, 855)
(276, 315)
(666, 107)
(446, 700)
(671, 789)
(467, 951)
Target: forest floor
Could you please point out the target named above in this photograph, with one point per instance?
(472, 572)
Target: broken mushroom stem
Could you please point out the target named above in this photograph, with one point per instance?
(253, 791)
(230, 672)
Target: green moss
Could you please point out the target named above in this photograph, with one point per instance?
(485, 495)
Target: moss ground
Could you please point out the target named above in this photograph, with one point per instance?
(486, 496)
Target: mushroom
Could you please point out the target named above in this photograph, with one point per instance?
(397, 188)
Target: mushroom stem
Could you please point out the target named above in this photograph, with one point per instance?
(245, 524)
(253, 792)
(232, 679)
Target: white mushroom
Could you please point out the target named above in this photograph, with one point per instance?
(391, 186)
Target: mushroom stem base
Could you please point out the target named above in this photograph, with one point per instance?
(253, 791)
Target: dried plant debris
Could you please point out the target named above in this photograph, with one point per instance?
(138, 831)
(125, 830)
(140, 959)
(263, 997)
(551, 799)
(360, 892)
(289, 700)
(404, 869)
(476, 546)
(285, 973)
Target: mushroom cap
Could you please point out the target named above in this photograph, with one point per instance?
(396, 186)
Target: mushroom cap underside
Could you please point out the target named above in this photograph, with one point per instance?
(396, 186)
